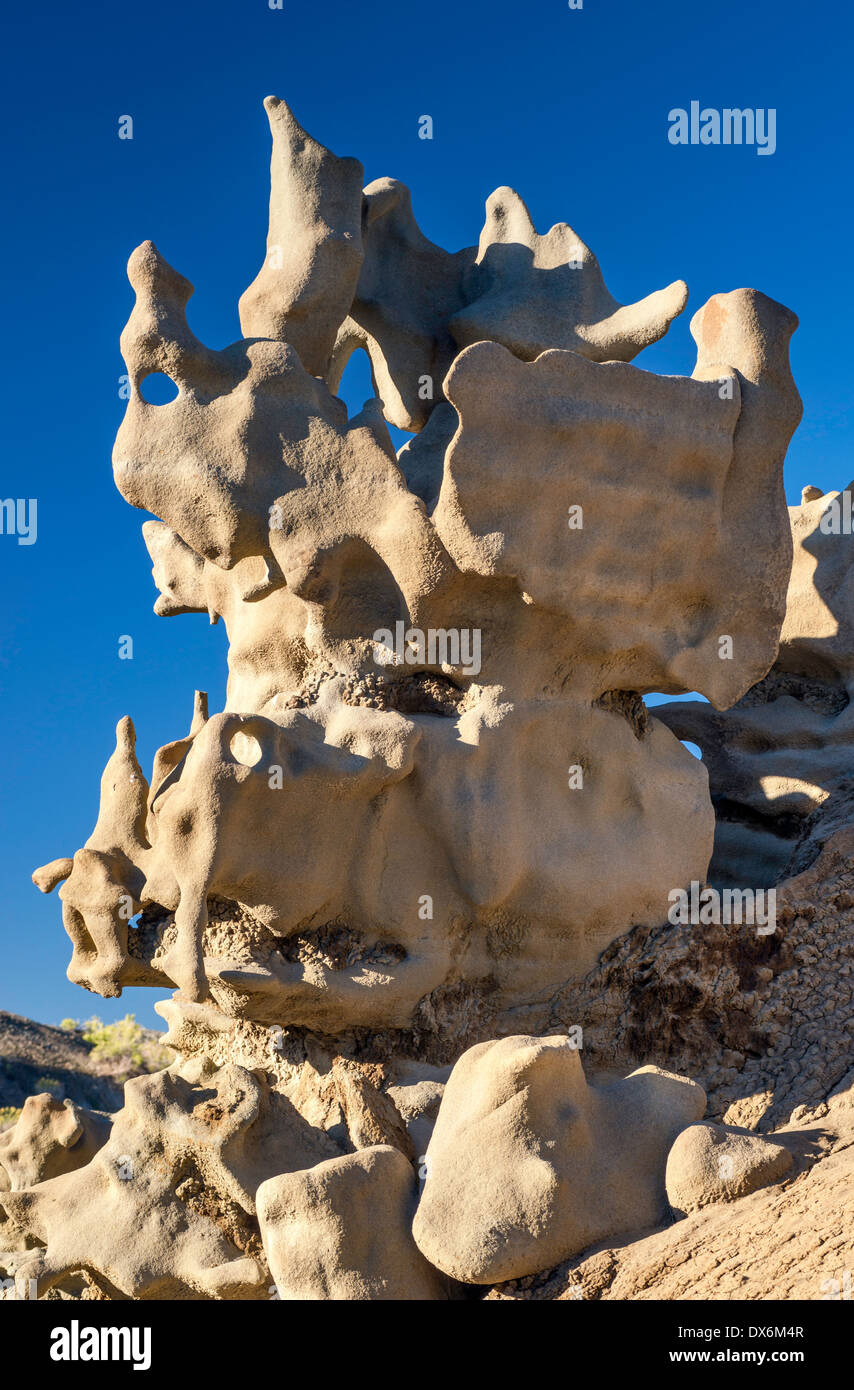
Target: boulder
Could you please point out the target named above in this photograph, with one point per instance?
(341, 1231)
(529, 1164)
(719, 1163)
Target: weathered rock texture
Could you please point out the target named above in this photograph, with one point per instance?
(794, 1240)
(763, 1023)
(428, 812)
(342, 1230)
(717, 1163)
(528, 1164)
(51, 1137)
(781, 761)
(434, 795)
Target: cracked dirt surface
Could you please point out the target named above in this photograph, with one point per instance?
(762, 1022)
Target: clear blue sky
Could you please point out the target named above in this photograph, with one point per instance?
(567, 106)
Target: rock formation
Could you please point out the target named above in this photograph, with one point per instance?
(717, 1163)
(528, 1164)
(343, 1230)
(51, 1137)
(781, 761)
(429, 811)
(763, 1023)
(434, 796)
(791, 1240)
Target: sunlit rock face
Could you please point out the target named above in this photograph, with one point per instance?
(781, 762)
(373, 884)
(434, 794)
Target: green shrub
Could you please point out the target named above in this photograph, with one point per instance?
(48, 1083)
(126, 1039)
(8, 1116)
(121, 1039)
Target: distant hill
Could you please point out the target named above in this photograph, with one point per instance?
(87, 1064)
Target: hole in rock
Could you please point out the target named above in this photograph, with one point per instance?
(692, 748)
(629, 705)
(357, 386)
(158, 389)
(655, 697)
(245, 749)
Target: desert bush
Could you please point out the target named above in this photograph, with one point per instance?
(125, 1039)
(48, 1083)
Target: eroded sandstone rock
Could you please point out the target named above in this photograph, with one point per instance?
(325, 786)
(341, 1230)
(718, 1163)
(528, 1163)
(373, 857)
(789, 1241)
(782, 759)
(728, 1006)
(50, 1137)
(165, 1209)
